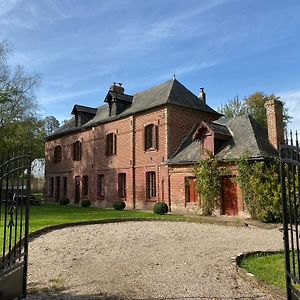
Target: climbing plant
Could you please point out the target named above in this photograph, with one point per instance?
(208, 177)
(260, 185)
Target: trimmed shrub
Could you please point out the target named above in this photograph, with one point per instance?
(64, 201)
(119, 205)
(85, 203)
(160, 208)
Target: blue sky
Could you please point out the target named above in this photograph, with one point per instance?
(229, 47)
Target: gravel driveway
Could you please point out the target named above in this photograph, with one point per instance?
(145, 260)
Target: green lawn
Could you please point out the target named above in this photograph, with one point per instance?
(268, 268)
(52, 214)
(47, 215)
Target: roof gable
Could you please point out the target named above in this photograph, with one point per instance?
(248, 138)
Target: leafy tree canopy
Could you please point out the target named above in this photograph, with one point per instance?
(253, 105)
(21, 127)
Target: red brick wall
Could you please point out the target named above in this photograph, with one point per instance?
(180, 122)
(177, 189)
(173, 125)
(274, 111)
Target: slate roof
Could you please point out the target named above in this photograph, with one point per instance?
(217, 128)
(85, 109)
(170, 92)
(248, 138)
(123, 97)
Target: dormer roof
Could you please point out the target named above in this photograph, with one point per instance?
(248, 138)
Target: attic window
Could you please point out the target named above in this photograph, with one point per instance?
(151, 137)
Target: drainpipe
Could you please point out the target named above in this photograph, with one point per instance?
(133, 163)
(169, 190)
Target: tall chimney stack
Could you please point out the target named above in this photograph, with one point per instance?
(202, 95)
(274, 111)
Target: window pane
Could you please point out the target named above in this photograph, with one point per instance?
(111, 144)
(122, 185)
(85, 186)
(101, 185)
(150, 185)
(149, 136)
(51, 186)
(65, 186)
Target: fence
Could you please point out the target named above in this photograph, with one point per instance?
(15, 173)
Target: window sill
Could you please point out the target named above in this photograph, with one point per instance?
(151, 149)
(151, 200)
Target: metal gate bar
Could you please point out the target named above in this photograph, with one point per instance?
(15, 173)
(290, 184)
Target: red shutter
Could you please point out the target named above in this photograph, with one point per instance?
(145, 138)
(106, 145)
(156, 137)
(115, 144)
(80, 150)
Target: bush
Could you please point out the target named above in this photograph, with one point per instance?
(85, 203)
(160, 208)
(260, 184)
(64, 201)
(119, 205)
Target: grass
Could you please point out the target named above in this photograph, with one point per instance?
(47, 215)
(268, 268)
(52, 214)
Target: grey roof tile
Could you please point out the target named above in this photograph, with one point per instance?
(170, 92)
(248, 139)
(85, 109)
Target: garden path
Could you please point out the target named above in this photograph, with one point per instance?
(145, 260)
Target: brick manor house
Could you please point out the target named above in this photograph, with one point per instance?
(142, 148)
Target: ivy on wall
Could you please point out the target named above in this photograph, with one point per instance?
(259, 182)
(261, 189)
(208, 176)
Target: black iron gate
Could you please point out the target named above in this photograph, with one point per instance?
(15, 173)
(290, 182)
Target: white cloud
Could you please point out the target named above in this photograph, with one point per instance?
(7, 6)
(54, 99)
(292, 100)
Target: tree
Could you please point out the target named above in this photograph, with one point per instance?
(50, 124)
(233, 108)
(20, 125)
(253, 105)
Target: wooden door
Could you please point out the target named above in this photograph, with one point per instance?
(229, 196)
(191, 194)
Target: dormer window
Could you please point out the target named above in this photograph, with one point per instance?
(111, 144)
(117, 100)
(57, 154)
(212, 137)
(83, 114)
(151, 137)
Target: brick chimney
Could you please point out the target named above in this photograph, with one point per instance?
(202, 95)
(274, 111)
(117, 88)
